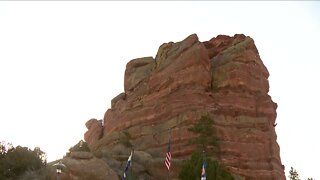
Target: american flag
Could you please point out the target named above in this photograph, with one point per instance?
(167, 162)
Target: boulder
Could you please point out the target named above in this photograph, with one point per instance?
(87, 168)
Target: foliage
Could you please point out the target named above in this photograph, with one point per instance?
(80, 146)
(191, 170)
(16, 161)
(310, 179)
(40, 154)
(4, 148)
(293, 174)
(204, 127)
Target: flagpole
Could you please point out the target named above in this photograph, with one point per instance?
(203, 155)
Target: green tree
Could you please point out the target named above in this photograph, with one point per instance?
(293, 174)
(4, 148)
(206, 140)
(40, 154)
(16, 161)
(204, 128)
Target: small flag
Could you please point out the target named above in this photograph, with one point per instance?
(167, 162)
(127, 166)
(203, 172)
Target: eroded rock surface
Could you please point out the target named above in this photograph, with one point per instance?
(95, 131)
(83, 166)
(223, 78)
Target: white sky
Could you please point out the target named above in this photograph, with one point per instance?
(61, 63)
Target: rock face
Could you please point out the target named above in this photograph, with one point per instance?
(83, 166)
(95, 132)
(223, 78)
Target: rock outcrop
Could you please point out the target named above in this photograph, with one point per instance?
(95, 132)
(83, 165)
(223, 78)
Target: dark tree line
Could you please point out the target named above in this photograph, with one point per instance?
(15, 161)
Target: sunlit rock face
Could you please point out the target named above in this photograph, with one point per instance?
(223, 78)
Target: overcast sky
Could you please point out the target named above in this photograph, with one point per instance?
(61, 63)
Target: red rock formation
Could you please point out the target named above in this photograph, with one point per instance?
(223, 78)
(95, 130)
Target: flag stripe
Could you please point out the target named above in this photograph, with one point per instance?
(167, 162)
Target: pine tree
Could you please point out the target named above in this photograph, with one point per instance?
(204, 128)
(293, 174)
(206, 140)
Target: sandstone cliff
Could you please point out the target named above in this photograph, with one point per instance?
(223, 78)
